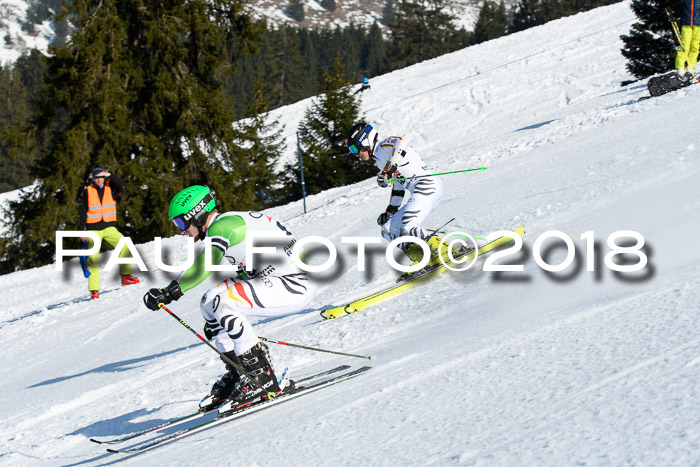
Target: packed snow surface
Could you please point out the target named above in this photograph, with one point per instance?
(534, 367)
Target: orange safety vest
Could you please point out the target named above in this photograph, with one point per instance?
(105, 210)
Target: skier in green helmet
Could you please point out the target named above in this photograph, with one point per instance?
(274, 288)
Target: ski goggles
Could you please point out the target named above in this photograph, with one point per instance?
(355, 148)
(183, 221)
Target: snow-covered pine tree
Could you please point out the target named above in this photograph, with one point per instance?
(327, 162)
(649, 46)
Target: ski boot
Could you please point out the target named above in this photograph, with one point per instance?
(685, 76)
(256, 362)
(440, 251)
(128, 279)
(414, 253)
(220, 391)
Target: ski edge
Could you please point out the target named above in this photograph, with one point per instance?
(321, 374)
(178, 420)
(299, 391)
(136, 434)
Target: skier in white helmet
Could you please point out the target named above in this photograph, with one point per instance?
(397, 159)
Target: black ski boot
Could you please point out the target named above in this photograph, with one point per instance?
(223, 388)
(256, 362)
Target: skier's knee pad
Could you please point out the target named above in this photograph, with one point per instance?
(210, 302)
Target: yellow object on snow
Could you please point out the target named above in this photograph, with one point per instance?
(690, 40)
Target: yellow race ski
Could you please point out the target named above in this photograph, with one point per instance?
(412, 280)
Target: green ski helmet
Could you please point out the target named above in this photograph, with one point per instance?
(191, 205)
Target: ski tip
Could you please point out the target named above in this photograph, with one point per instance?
(113, 451)
(95, 440)
(372, 357)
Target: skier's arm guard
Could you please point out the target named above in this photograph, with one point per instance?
(396, 198)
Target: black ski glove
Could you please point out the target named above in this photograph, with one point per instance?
(155, 296)
(382, 180)
(207, 332)
(388, 214)
(384, 217)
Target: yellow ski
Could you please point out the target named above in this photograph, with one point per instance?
(362, 303)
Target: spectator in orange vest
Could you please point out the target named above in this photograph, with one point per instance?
(98, 213)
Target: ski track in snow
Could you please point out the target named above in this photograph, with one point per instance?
(474, 368)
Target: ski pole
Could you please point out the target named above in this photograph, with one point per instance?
(674, 25)
(238, 368)
(441, 227)
(458, 235)
(316, 349)
(434, 175)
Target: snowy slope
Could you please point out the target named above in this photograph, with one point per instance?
(477, 368)
(15, 41)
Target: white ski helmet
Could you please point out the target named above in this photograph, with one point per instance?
(361, 136)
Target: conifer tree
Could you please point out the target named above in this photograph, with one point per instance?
(329, 5)
(239, 85)
(139, 85)
(420, 30)
(327, 162)
(491, 23)
(649, 47)
(388, 12)
(555, 9)
(309, 57)
(295, 10)
(17, 148)
(14, 109)
(285, 69)
(527, 13)
(347, 44)
(374, 52)
(262, 142)
(32, 69)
